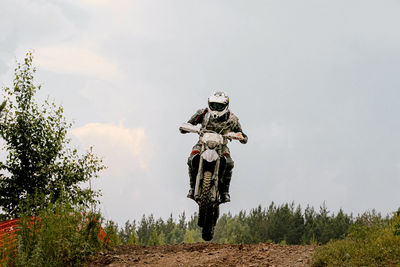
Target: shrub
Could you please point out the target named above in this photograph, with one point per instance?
(63, 234)
(372, 243)
(7, 249)
(111, 229)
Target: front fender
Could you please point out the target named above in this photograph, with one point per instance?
(210, 155)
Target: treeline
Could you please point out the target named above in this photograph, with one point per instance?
(285, 224)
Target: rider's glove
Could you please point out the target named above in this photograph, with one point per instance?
(244, 140)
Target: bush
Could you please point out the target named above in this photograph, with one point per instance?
(63, 234)
(7, 248)
(371, 242)
(111, 230)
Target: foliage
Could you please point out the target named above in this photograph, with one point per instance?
(371, 242)
(192, 236)
(7, 249)
(285, 224)
(127, 235)
(38, 161)
(63, 234)
(396, 224)
(2, 106)
(111, 230)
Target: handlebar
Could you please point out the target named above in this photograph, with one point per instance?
(190, 128)
(235, 136)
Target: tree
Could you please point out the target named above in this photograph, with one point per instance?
(111, 229)
(133, 238)
(2, 106)
(296, 229)
(126, 232)
(39, 164)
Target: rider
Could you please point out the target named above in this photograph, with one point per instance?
(217, 117)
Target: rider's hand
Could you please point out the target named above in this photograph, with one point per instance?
(237, 136)
(244, 140)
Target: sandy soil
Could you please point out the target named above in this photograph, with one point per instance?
(206, 254)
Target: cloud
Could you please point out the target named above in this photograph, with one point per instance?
(108, 4)
(127, 152)
(120, 147)
(76, 58)
(108, 12)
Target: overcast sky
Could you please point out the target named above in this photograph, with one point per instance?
(315, 85)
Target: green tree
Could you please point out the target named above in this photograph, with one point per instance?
(2, 106)
(192, 236)
(309, 236)
(257, 222)
(133, 238)
(156, 239)
(145, 229)
(111, 229)
(38, 161)
(340, 225)
(323, 225)
(296, 228)
(168, 228)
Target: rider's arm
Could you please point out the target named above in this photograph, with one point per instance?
(238, 129)
(196, 118)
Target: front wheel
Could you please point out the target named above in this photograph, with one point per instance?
(204, 198)
(208, 211)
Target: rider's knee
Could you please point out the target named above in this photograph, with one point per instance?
(229, 161)
(193, 160)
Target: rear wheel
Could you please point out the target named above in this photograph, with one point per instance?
(212, 214)
(207, 233)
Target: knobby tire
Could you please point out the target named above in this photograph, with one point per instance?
(206, 208)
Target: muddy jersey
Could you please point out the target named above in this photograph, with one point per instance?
(223, 125)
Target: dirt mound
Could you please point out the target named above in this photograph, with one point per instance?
(206, 254)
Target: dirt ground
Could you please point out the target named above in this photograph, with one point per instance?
(206, 254)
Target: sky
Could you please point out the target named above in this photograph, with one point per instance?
(315, 85)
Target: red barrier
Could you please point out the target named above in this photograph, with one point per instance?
(8, 228)
(8, 238)
(8, 231)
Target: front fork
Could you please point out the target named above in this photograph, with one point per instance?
(199, 176)
(214, 195)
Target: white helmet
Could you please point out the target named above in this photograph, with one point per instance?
(218, 104)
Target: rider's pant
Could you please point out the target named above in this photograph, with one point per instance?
(193, 163)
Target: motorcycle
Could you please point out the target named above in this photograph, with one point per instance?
(210, 172)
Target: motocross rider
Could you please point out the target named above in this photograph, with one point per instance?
(216, 117)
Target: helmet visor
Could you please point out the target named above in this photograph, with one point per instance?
(217, 106)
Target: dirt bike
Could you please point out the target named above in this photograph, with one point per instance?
(211, 167)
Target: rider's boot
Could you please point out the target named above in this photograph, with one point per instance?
(224, 189)
(225, 197)
(192, 177)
